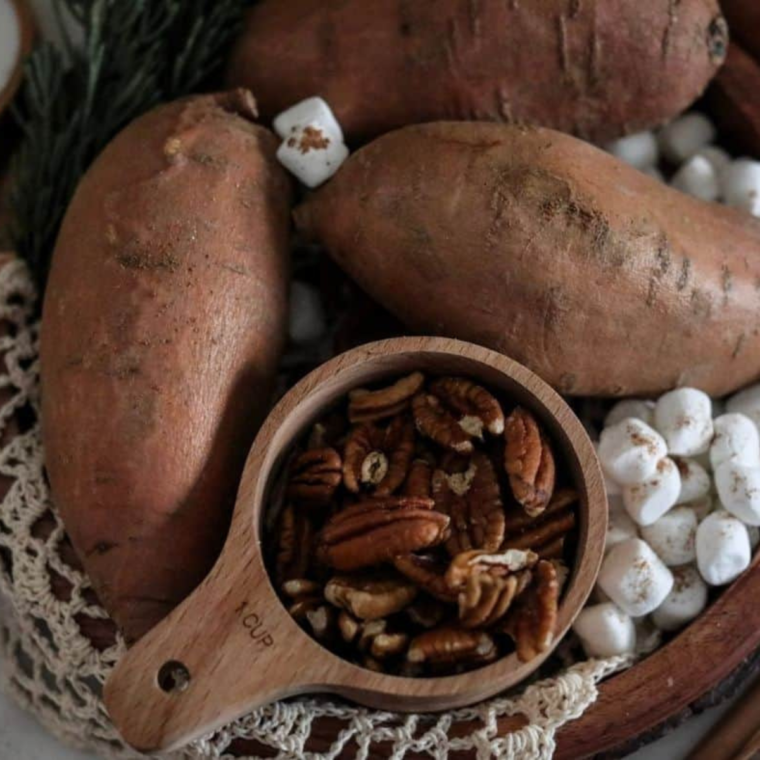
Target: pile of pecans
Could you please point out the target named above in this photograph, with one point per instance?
(422, 532)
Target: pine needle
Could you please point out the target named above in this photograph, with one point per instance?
(133, 55)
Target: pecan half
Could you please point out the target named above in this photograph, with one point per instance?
(532, 621)
(500, 565)
(419, 480)
(376, 531)
(545, 534)
(315, 477)
(472, 499)
(438, 424)
(322, 620)
(450, 645)
(370, 597)
(387, 645)
(379, 458)
(486, 599)
(294, 548)
(428, 573)
(529, 462)
(370, 406)
(476, 408)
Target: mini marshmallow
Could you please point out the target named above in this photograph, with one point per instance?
(739, 490)
(695, 481)
(685, 136)
(648, 501)
(641, 409)
(736, 437)
(312, 146)
(741, 185)
(723, 550)
(747, 402)
(684, 419)
(310, 111)
(611, 487)
(718, 157)
(605, 631)
(635, 578)
(702, 507)
(640, 150)
(620, 526)
(684, 603)
(307, 315)
(697, 177)
(673, 536)
(630, 450)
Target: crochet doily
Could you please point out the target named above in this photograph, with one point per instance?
(55, 671)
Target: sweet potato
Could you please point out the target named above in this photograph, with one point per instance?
(595, 68)
(734, 102)
(163, 322)
(529, 241)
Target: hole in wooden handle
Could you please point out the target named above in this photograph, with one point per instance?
(173, 677)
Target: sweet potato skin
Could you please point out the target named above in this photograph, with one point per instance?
(601, 279)
(594, 68)
(163, 321)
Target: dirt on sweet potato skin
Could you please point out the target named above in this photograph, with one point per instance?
(594, 68)
(163, 321)
(600, 279)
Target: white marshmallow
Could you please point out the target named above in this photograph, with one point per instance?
(630, 450)
(685, 136)
(698, 177)
(639, 408)
(739, 490)
(310, 111)
(695, 481)
(640, 150)
(736, 437)
(741, 185)
(723, 550)
(673, 536)
(605, 631)
(747, 402)
(685, 602)
(635, 578)
(620, 526)
(312, 142)
(611, 487)
(702, 507)
(648, 501)
(718, 157)
(307, 315)
(684, 419)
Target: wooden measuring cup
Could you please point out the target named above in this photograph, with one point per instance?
(231, 646)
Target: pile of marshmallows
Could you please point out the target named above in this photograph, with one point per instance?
(701, 168)
(684, 494)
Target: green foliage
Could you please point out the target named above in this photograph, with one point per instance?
(133, 54)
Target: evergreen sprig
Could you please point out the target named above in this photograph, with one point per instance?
(132, 55)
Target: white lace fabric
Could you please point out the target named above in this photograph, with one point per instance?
(53, 670)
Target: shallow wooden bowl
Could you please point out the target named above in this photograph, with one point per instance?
(232, 646)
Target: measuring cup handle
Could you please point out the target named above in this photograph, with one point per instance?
(229, 648)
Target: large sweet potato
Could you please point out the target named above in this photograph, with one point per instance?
(163, 321)
(534, 243)
(596, 68)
